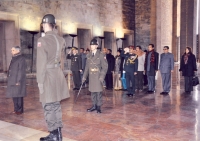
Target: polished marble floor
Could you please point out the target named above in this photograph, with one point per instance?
(143, 117)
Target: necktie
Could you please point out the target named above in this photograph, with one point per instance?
(92, 54)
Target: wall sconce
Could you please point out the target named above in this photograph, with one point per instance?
(73, 35)
(33, 33)
(122, 42)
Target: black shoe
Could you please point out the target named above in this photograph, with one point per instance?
(74, 89)
(130, 95)
(93, 108)
(99, 109)
(59, 134)
(164, 93)
(53, 136)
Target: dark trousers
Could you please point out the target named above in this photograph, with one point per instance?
(130, 79)
(18, 104)
(145, 79)
(151, 82)
(188, 83)
(96, 98)
(76, 79)
(109, 81)
(166, 81)
(139, 80)
(53, 115)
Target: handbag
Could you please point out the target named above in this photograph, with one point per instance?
(195, 81)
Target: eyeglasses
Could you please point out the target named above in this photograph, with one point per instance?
(164, 49)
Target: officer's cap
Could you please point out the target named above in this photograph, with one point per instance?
(49, 18)
(74, 48)
(131, 47)
(94, 42)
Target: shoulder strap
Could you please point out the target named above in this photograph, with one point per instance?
(57, 51)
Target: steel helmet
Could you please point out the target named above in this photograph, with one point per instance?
(94, 42)
(49, 18)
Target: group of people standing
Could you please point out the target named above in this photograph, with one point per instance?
(133, 66)
(130, 67)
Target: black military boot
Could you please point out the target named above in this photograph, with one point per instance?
(53, 136)
(93, 108)
(99, 109)
(59, 134)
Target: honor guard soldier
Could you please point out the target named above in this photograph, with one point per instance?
(96, 68)
(76, 67)
(130, 68)
(50, 78)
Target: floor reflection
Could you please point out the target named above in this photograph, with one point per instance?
(142, 117)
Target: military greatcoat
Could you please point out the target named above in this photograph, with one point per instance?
(96, 67)
(50, 77)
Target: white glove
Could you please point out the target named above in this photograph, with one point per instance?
(41, 88)
(124, 71)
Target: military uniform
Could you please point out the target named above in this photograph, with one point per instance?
(96, 68)
(51, 80)
(130, 67)
(76, 66)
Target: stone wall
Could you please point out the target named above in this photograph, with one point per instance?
(128, 10)
(142, 22)
(95, 15)
(71, 12)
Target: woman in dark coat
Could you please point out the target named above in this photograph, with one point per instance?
(16, 85)
(188, 67)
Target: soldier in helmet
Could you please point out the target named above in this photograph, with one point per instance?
(50, 78)
(96, 68)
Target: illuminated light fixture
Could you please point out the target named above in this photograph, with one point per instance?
(122, 42)
(73, 35)
(33, 33)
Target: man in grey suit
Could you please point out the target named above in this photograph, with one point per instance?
(166, 68)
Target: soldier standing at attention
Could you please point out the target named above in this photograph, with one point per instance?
(96, 67)
(76, 67)
(50, 78)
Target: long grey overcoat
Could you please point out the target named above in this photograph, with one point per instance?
(49, 77)
(16, 74)
(96, 67)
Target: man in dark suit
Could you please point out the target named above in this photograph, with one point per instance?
(76, 67)
(151, 67)
(166, 68)
(111, 66)
(130, 68)
(16, 86)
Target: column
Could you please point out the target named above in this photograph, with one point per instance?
(176, 30)
(187, 25)
(163, 24)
